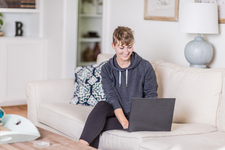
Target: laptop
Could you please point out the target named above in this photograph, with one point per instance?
(151, 114)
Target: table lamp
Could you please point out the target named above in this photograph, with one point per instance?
(200, 18)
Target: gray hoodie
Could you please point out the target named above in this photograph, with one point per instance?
(122, 84)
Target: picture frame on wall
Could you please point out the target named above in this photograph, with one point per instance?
(162, 10)
(221, 8)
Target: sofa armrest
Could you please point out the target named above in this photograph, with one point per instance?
(47, 90)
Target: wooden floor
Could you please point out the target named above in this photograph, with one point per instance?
(57, 142)
(18, 110)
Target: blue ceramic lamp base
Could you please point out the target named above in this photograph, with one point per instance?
(198, 52)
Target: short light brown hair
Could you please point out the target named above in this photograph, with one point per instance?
(123, 35)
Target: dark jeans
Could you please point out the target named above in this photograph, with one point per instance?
(101, 118)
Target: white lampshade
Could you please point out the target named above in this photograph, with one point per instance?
(198, 18)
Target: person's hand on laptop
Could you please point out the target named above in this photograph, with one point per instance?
(121, 117)
(125, 124)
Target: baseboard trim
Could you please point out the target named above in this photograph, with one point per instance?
(13, 103)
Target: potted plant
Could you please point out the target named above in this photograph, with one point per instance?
(1, 24)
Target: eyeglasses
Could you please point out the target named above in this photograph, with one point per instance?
(2, 114)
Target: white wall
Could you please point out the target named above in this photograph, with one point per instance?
(60, 30)
(155, 39)
(53, 32)
(70, 37)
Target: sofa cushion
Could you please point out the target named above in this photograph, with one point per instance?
(88, 86)
(115, 139)
(209, 141)
(197, 92)
(221, 108)
(62, 116)
(221, 116)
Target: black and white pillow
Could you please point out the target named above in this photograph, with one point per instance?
(88, 86)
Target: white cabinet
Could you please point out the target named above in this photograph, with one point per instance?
(22, 59)
(89, 24)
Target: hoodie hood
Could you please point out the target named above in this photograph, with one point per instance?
(135, 60)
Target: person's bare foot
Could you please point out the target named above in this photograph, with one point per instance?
(83, 142)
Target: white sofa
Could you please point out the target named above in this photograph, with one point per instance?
(199, 116)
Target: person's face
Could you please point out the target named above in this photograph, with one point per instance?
(123, 52)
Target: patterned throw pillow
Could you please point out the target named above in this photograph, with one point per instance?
(88, 86)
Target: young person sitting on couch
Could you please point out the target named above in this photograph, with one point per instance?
(124, 76)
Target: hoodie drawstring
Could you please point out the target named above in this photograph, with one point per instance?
(119, 78)
(126, 78)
